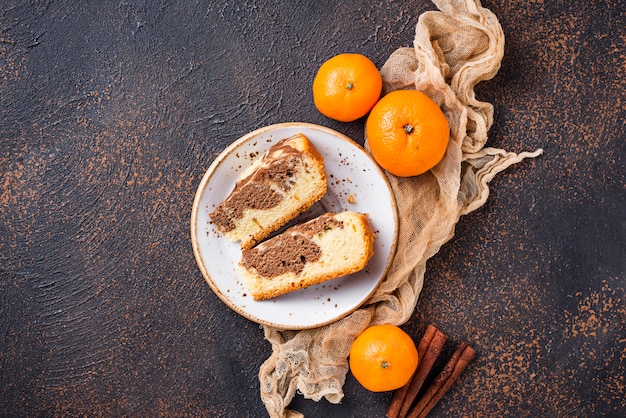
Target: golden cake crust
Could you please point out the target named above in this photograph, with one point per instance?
(327, 247)
(287, 180)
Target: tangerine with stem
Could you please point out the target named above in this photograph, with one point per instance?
(383, 358)
(407, 133)
(346, 87)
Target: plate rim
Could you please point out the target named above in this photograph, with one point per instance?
(196, 207)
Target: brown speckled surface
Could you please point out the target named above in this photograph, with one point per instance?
(110, 112)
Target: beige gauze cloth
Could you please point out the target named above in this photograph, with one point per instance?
(454, 49)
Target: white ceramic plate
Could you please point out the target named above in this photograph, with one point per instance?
(355, 182)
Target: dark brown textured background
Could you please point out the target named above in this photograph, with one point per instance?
(110, 112)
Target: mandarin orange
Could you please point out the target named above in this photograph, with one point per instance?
(383, 358)
(346, 87)
(407, 133)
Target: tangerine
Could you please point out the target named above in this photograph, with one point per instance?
(383, 358)
(407, 133)
(346, 87)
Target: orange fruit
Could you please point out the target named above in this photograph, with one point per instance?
(383, 358)
(346, 87)
(407, 133)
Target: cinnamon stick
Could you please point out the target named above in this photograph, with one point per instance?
(400, 394)
(423, 369)
(444, 381)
